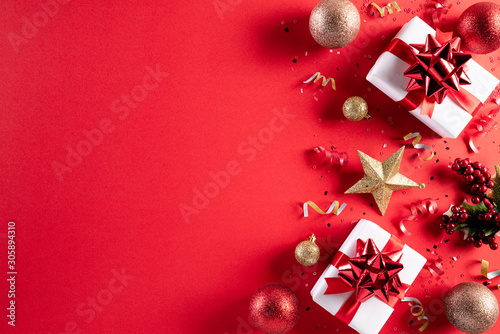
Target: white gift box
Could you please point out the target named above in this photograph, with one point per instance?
(373, 313)
(448, 119)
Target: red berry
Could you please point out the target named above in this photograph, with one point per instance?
(493, 245)
(481, 179)
(478, 243)
(490, 238)
(455, 167)
(474, 188)
(477, 173)
(454, 217)
(463, 210)
(470, 239)
(468, 179)
(460, 172)
(488, 216)
(487, 175)
(469, 170)
(463, 164)
(484, 170)
(442, 225)
(497, 218)
(457, 160)
(450, 226)
(445, 218)
(490, 184)
(463, 217)
(486, 240)
(476, 165)
(455, 209)
(480, 216)
(450, 232)
(481, 234)
(476, 200)
(492, 211)
(467, 161)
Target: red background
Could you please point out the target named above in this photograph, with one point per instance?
(118, 209)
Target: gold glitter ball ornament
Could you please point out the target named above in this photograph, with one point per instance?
(382, 178)
(471, 307)
(307, 252)
(355, 109)
(334, 23)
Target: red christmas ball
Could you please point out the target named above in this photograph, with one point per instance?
(479, 27)
(274, 308)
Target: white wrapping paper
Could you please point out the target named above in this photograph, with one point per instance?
(372, 314)
(448, 119)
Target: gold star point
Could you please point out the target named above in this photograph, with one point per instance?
(381, 178)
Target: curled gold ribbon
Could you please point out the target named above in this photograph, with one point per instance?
(336, 208)
(317, 76)
(389, 9)
(417, 311)
(417, 137)
(484, 271)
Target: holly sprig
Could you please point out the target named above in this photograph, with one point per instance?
(479, 221)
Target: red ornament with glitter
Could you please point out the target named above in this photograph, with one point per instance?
(479, 27)
(274, 308)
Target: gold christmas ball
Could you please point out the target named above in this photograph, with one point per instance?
(355, 109)
(471, 307)
(334, 23)
(307, 252)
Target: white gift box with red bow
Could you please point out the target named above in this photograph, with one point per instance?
(373, 313)
(449, 118)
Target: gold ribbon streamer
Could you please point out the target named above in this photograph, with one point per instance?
(317, 76)
(389, 9)
(485, 265)
(336, 208)
(420, 314)
(416, 144)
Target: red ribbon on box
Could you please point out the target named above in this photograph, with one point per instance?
(371, 273)
(436, 71)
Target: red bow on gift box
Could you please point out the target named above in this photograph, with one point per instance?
(370, 273)
(436, 70)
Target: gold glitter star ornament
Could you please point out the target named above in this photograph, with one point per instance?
(382, 178)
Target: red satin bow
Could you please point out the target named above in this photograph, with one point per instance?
(370, 273)
(436, 70)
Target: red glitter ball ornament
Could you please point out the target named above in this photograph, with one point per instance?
(479, 27)
(274, 308)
